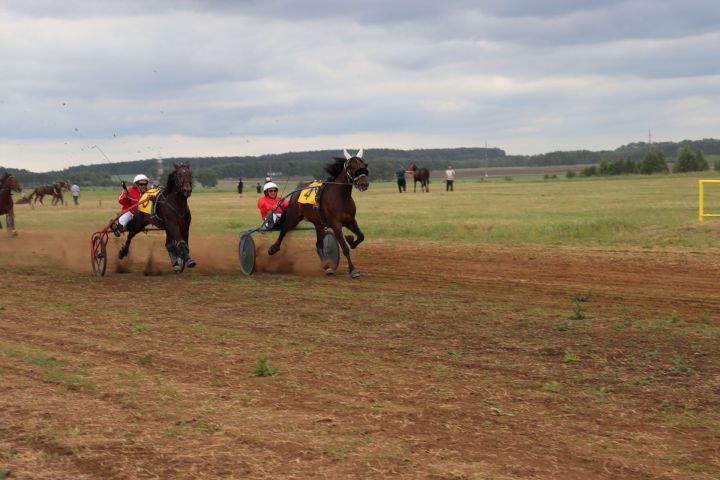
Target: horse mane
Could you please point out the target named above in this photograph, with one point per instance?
(170, 183)
(334, 169)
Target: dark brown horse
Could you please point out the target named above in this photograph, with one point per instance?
(422, 175)
(336, 209)
(171, 214)
(8, 184)
(55, 190)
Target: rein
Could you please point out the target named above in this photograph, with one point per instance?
(161, 198)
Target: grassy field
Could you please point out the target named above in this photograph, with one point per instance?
(549, 329)
(637, 211)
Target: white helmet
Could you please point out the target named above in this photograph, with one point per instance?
(140, 178)
(268, 186)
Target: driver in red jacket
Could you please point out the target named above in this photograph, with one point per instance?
(267, 203)
(129, 197)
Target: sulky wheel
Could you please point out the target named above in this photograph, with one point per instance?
(331, 249)
(246, 254)
(98, 255)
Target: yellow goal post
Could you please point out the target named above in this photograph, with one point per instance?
(701, 200)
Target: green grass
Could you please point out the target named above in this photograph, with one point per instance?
(55, 370)
(635, 210)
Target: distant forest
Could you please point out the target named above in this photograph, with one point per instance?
(382, 162)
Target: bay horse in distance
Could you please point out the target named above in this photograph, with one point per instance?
(55, 190)
(8, 184)
(336, 208)
(172, 215)
(422, 175)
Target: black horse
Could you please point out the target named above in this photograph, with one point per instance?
(336, 208)
(8, 184)
(172, 215)
(422, 175)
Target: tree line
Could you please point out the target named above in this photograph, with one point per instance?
(654, 161)
(382, 162)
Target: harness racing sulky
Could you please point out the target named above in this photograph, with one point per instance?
(328, 206)
(165, 209)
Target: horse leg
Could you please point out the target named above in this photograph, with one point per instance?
(10, 220)
(184, 253)
(337, 228)
(291, 222)
(172, 245)
(319, 235)
(126, 247)
(185, 241)
(353, 227)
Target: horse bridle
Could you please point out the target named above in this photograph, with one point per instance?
(360, 172)
(162, 198)
(17, 184)
(180, 180)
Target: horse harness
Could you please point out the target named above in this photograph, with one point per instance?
(156, 219)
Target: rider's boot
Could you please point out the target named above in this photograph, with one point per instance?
(117, 229)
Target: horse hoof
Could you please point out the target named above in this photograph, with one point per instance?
(191, 263)
(273, 249)
(354, 274)
(329, 271)
(177, 268)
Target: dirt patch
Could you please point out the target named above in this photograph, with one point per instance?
(476, 362)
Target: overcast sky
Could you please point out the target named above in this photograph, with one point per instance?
(141, 79)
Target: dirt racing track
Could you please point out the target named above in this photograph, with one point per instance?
(448, 362)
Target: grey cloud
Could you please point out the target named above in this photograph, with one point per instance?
(320, 68)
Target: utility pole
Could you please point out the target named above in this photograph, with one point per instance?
(160, 169)
(486, 160)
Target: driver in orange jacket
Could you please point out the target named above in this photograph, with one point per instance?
(267, 203)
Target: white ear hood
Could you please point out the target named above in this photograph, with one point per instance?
(347, 155)
(360, 153)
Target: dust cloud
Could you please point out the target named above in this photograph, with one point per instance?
(71, 251)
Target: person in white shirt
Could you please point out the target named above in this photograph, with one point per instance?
(449, 178)
(75, 189)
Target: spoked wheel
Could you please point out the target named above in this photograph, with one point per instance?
(331, 250)
(246, 254)
(98, 254)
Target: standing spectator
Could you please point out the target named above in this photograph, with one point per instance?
(258, 188)
(449, 178)
(240, 185)
(400, 174)
(75, 189)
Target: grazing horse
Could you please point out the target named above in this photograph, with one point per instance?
(422, 175)
(171, 214)
(336, 208)
(55, 190)
(8, 184)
